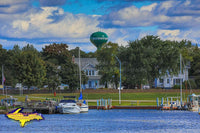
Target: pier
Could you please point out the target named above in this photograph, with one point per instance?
(49, 106)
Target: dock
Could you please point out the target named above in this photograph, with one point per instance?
(126, 107)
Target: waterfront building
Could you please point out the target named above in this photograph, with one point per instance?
(88, 65)
(169, 81)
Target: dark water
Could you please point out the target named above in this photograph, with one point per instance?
(109, 121)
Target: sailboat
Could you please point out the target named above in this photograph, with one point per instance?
(81, 103)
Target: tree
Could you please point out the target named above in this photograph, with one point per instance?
(70, 75)
(74, 52)
(56, 53)
(53, 78)
(108, 65)
(29, 67)
(149, 58)
(195, 65)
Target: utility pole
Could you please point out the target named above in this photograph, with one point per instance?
(120, 79)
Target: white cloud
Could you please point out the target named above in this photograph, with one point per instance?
(14, 6)
(164, 15)
(149, 7)
(45, 25)
(168, 32)
(51, 22)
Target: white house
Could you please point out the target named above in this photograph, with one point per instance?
(88, 65)
(168, 81)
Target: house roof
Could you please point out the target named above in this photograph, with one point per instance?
(86, 61)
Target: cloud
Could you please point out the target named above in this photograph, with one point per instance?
(51, 22)
(46, 23)
(52, 2)
(166, 15)
(132, 0)
(168, 32)
(14, 6)
(130, 17)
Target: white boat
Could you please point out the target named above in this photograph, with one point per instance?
(194, 101)
(68, 107)
(82, 104)
(83, 107)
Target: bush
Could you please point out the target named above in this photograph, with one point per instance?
(190, 82)
(176, 87)
(66, 88)
(158, 88)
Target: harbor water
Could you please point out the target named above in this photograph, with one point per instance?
(109, 121)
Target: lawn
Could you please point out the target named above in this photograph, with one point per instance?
(130, 98)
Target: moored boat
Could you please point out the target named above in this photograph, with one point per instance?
(82, 104)
(68, 106)
(193, 103)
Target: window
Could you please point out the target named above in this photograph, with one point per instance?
(89, 72)
(177, 81)
(161, 80)
(92, 72)
(167, 81)
(86, 72)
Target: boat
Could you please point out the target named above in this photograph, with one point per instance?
(81, 103)
(193, 102)
(68, 106)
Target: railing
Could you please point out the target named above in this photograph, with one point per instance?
(128, 102)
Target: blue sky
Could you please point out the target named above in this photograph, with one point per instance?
(42, 22)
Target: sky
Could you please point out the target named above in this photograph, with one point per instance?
(43, 22)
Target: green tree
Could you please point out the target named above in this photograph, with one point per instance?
(146, 59)
(56, 53)
(74, 52)
(195, 65)
(53, 78)
(29, 67)
(108, 65)
(70, 76)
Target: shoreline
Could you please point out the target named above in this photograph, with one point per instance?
(101, 108)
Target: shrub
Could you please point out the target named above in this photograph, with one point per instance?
(176, 87)
(192, 83)
(66, 88)
(158, 88)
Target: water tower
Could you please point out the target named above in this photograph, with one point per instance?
(99, 39)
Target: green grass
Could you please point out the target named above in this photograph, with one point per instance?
(114, 96)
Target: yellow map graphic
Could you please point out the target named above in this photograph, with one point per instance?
(22, 118)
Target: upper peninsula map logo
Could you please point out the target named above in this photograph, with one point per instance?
(18, 115)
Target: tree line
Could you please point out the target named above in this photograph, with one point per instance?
(142, 61)
(146, 59)
(51, 66)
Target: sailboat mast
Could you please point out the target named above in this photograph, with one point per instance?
(2, 79)
(80, 70)
(181, 79)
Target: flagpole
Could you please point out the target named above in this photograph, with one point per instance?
(2, 79)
